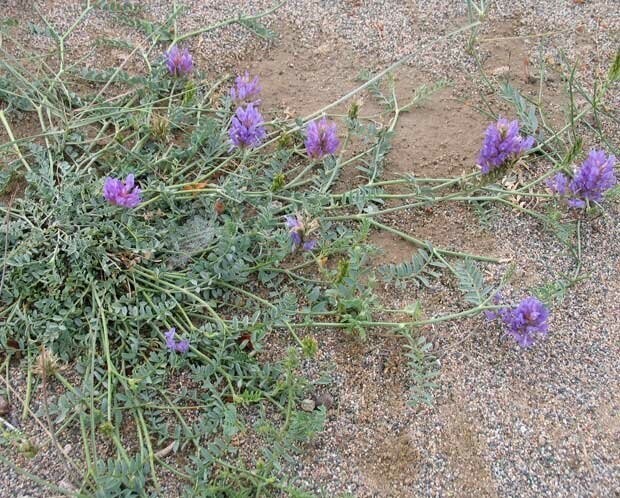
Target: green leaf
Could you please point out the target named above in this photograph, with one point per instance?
(257, 28)
(525, 111)
(422, 267)
(471, 282)
(614, 70)
(423, 370)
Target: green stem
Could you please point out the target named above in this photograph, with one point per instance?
(28, 388)
(295, 181)
(578, 255)
(151, 455)
(106, 349)
(421, 243)
(9, 132)
(227, 22)
(401, 325)
(151, 276)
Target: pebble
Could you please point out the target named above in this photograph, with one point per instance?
(324, 399)
(5, 407)
(500, 71)
(308, 405)
(67, 485)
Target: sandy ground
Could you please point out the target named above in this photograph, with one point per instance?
(506, 422)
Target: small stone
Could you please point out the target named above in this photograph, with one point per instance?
(308, 405)
(67, 485)
(500, 71)
(322, 49)
(4, 406)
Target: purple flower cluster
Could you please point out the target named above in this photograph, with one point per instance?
(179, 62)
(321, 138)
(120, 193)
(299, 232)
(502, 143)
(247, 128)
(558, 184)
(173, 345)
(595, 176)
(245, 90)
(525, 322)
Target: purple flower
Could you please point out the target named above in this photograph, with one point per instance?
(577, 203)
(295, 229)
(310, 245)
(181, 346)
(558, 184)
(125, 194)
(170, 342)
(298, 232)
(593, 178)
(247, 127)
(321, 138)
(524, 322)
(245, 91)
(492, 315)
(179, 62)
(527, 321)
(294, 222)
(590, 181)
(502, 143)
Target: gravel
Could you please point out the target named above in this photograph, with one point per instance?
(506, 422)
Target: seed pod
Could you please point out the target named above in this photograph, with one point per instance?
(219, 206)
(245, 341)
(355, 109)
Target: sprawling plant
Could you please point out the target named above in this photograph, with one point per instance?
(167, 226)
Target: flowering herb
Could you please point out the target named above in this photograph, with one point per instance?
(120, 193)
(173, 345)
(300, 232)
(525, 322)
(247, 128)
(502, 143)
(245, 90)
(179, 62)
(591, 180)
(196, 256)
(321, 138)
